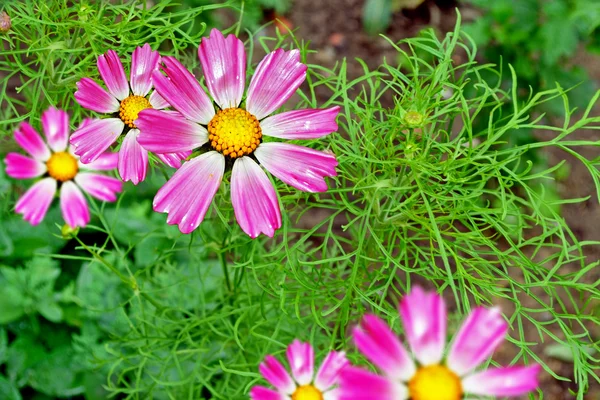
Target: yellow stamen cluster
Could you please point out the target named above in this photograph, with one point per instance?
(62, 166)
(307, 392)
(131, 107)
(234, 132)
(435, 382)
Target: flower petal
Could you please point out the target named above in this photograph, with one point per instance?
(102, 187)
(301, 124)
(329, 372)
(93, 97)
(263, 393)
(483, 331)
(358, 384)
(133, 159)
(223, 62)
(298, 166)
(35, 202)
(56, 128)
(188, 194)
(302, 361)
(105, 162)
(509, 381)
(254, 199)
(95, 138)
(19, 166)
(157, 101)
(31, 142)
(143, 62)
(74, 208)
(276, 79)
(183, 92)
(382, 347)
(112, 72)
(163, 132)
(276, 375)
(174, 160)
(424, 319)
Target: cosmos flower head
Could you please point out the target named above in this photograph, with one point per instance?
(234, 134)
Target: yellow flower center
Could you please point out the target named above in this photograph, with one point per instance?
(435, 382)
(307, 392)
(62, 166)
(131, 107)
(234, 132)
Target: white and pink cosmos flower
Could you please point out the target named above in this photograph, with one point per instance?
(60, 170)
(434, 376)
(304, 384)
(123, 101)
(233, 135)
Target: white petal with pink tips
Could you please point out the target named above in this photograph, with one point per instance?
(73, 205)
(56, 128)
(35, 202)
(133, 159)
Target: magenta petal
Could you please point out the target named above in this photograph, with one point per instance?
(91, 96)
(133, 159)
(254, 199)
(224, 65)
(56, 128)
(74, 208)
(143, 62)
(157, 101)
(174, 160)
(424, 319)
(358, 384)
(112, 72)
(301, 124)
(302, 361)
(298, 166)
(483, 331)
(509, 381)
(183, 91)
(276, 375)
(164, 132)
(35, 202)
(263, 393)
(188, 194)
(330, 369)
(383, 348)
(105, 162)
(95, 138)
(31, 142)
(19, 166)
(276, 79)
(102, 187)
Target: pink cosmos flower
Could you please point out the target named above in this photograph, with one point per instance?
(305, 385)
(61, 171)
(124, 100)
(233, 135)
(424, 317)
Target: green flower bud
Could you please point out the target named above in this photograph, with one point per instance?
(413, 118)
(68, 233)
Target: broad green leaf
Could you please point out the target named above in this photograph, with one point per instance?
(377, 15)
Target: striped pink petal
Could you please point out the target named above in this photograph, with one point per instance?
(163, 132)
(174, 160)
(298, 166)
(358, 384)
(93, 139)
(330, 369)
(254, 199)
(276, 375)
(424, 319)
(481, 333)
(183, 92)
(112, 72)
(19, 166)
(382, 347)
(188, 194)
(105, 162)
(35, 202)
(31, 142)
(509, 381)
(143, 62)
(276, 79)
(133, 159)
(301, 124)
(56, 127)
(302, 361)
(157, 101)
(224, 66)
(263, 393)
(73, 205)
(93, 97)
(102, 187)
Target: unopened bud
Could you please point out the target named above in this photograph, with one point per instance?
(413, 118)
(68, 233)
(5, 23)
